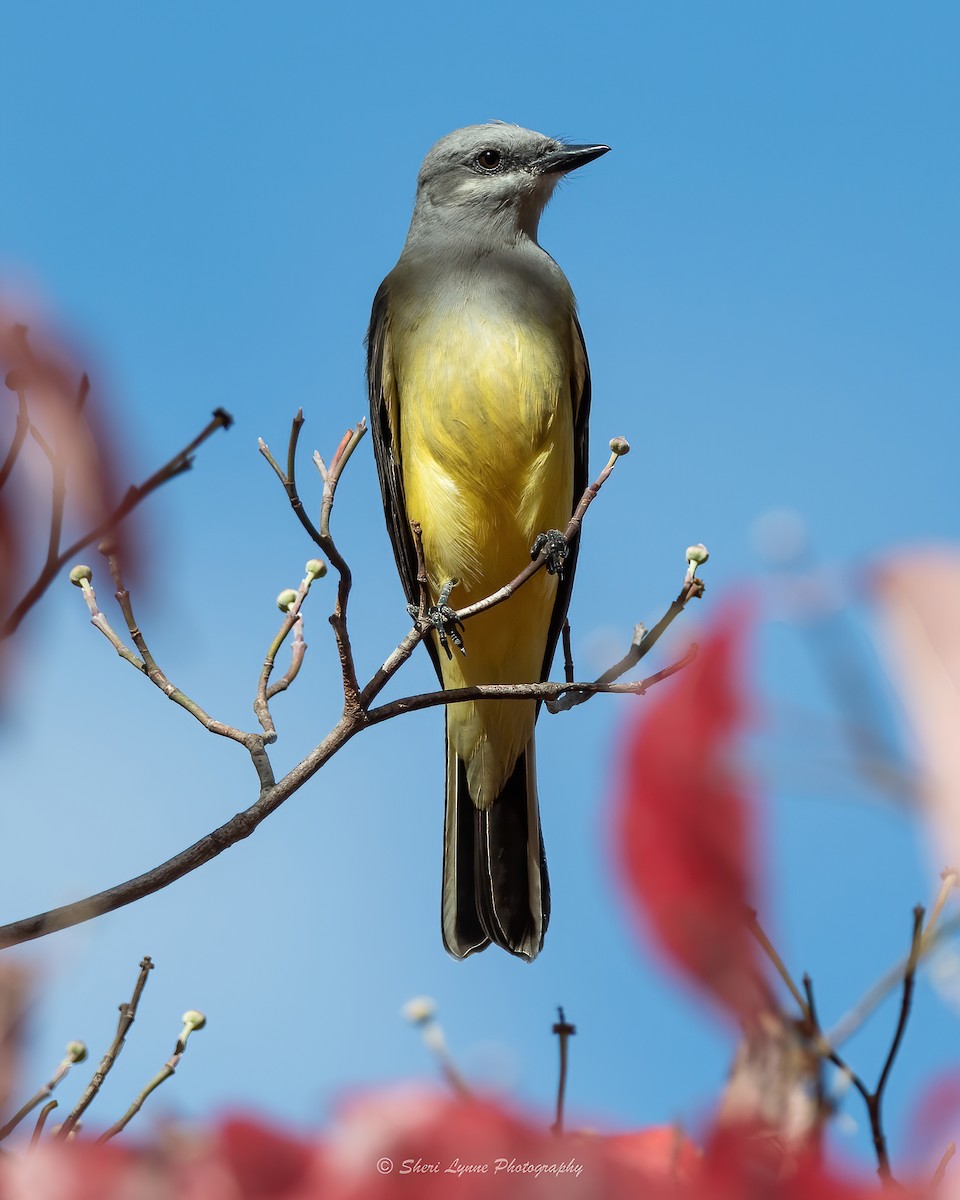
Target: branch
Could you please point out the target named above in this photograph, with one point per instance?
(643, 642)
(180, 462)
(41, 1121)
(16, 384)
(894, 977)
(128, 1013)
(618, 448)
(422, 1012)
(147, 665)
(564, 1032)
(201, 852)
(324, 539)
(191, 1020)
(356, 714)
(821, 1045)
(76, 1053)
(876, 1099)
(291, 602)
(521, 691)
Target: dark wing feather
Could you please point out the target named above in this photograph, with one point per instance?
(580, 398)
(387, 451)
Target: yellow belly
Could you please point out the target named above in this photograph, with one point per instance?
(486, 431)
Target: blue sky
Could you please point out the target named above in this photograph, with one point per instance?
(206, 196)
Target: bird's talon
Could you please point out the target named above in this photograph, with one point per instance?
(443, 619)
(555, 549)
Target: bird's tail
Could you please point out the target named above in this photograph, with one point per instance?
(495, 886)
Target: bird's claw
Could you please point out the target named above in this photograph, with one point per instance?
(443, 619)
(554, 548)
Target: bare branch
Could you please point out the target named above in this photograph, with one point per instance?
(180, 462)
(643, 642)
(564, 1032)
(20, 429)
(356, 715)
(76, 1052)
(201, 852)
(400, 655)
(41, 1121)
(128, 1013)
(875, 1103)
(323, 538)
(520, 691)
(191, 1020)
(254, 743)
(293, 621)
(942, 1165)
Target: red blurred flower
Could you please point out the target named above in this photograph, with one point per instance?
(683, 825)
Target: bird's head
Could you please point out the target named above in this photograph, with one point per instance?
(494, 177)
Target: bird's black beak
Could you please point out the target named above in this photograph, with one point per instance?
(568, 158)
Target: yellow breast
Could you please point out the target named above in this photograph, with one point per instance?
(486, 435)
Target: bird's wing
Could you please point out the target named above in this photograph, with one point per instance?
(580, 399)
(385, 427)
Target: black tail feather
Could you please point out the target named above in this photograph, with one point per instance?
(495, 885)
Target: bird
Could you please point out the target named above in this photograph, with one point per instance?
(479, 391)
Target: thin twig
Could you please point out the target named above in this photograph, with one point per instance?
(41, 1121)
(168, 1069)
(254, 743)
(289, 478)
(822, 1045)
(180, 462)
(568, 668)
(128, 1013)
(811, 1025)
(520, 691)
(423, 584)
(323, 538)
(564, 1032)
(941, 1170)
(643, 641)
(76, 1052)
(572, 531)
(338, 618)
(779, 965)
(291, 622)
(416, 635)
(876, 1100)
(949, 878)
(298, 649)
(892, 978)
(19, 432)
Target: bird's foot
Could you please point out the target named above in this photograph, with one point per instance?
(443, 619)
(554, 548)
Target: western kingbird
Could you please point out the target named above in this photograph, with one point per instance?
(479, 396)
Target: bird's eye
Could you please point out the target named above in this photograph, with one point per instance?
(489, 160)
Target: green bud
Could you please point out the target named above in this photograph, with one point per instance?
(76, 1051)
(287, 597)
(80, 575)
(194, 1018)
(697, 554)
(317, 568)
(619, 446)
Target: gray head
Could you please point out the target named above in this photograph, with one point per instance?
(494, 179)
